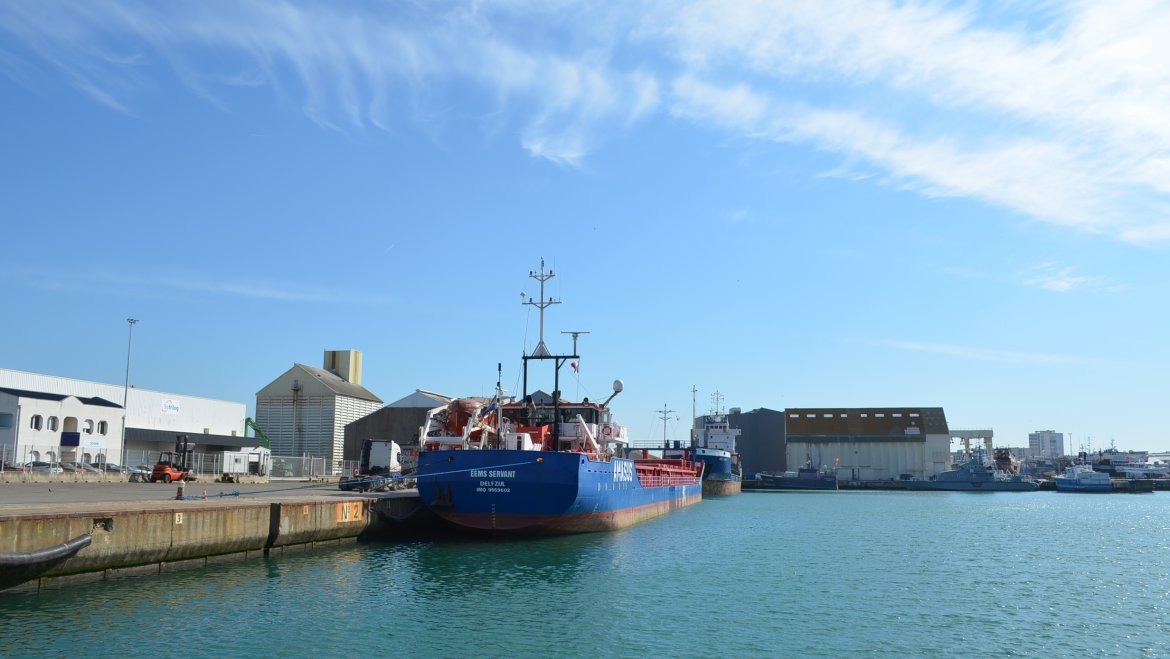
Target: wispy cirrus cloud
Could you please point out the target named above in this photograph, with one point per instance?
(167, 283)
(1062, 279)
(1059, 123)
(984, 354)
(1058, 115)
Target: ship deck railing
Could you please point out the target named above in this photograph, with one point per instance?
(664, 480)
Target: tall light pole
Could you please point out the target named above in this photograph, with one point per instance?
(126, 392)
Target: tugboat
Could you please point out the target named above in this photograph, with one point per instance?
(974, 475)
(540, 464)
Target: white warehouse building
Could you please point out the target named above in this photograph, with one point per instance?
(40, 414)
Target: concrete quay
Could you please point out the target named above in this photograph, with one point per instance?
(139, 529)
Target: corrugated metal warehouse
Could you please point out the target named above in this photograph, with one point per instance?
(761, 440)
(872, 443)
(399, 421)
(305, 410)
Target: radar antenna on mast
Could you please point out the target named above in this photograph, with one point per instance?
(575, 334)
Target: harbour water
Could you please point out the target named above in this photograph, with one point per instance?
(886, 574)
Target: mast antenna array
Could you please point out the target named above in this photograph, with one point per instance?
(665, 416)
(717, 403)
(542, 303)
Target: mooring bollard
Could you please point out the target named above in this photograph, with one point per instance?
(180, 494)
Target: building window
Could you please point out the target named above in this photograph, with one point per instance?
(103, 427)
(88, 428)
(35, 422)
(52, 423)
(5, 420)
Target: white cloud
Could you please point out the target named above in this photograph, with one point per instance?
(1060, 117)
(167, 283)
(1053, 277)
(984, 354)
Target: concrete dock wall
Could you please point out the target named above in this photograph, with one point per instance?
(17, 476)
(129, 537)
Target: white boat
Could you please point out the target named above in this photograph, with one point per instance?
(1152, 469)
(1082, 478)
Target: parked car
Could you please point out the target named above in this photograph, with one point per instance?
(111, 468)
(37, 465)
(79, 468)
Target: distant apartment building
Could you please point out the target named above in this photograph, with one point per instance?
(1046, 444)
(304, 411)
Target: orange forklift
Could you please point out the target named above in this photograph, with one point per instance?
(174, 465)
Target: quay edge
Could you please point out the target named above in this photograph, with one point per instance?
(134, 538)
(1119, 485)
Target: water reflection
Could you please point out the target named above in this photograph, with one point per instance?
(762, 575)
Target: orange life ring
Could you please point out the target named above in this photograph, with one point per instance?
(606, 430)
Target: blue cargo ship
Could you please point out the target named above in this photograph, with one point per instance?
(721, 475)
(715, 446)
(540, 464)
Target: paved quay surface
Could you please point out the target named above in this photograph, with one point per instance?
(42, 498)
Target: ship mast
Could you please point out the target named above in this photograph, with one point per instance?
(542, 304)
(694, 431)
(665, 415)
(541, 352)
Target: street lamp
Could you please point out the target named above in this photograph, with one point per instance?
(126, 392)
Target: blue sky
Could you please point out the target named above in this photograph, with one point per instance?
(798, 204)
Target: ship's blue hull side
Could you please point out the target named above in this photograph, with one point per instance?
(1072, 485)
(542, 491)
(719, 476)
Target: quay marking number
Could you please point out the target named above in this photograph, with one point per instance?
(349, 512)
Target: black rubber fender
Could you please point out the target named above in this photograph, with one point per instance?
(62, 551)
